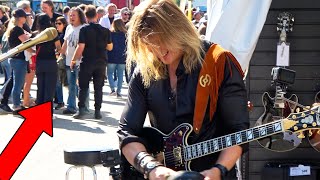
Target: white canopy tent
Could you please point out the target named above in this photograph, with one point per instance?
(236, 25)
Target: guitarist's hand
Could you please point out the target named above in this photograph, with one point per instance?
(212, 174)
(161, 173)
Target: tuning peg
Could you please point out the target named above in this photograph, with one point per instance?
(291, 29)
(310, 133)
(292, 19)
(301, 135)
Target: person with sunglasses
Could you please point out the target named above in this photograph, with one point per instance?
(125, 14)
(61, 25)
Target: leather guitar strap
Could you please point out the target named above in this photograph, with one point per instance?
(210, 79)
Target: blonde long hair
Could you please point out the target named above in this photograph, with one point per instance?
(164, 21)
(12, 23)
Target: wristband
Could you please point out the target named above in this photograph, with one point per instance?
(223, 170)
(145, 163)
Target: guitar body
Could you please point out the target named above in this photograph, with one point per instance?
(167, 148)
(283, 141)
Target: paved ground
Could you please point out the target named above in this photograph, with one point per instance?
(45, 161)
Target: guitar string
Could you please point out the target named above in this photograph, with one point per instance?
(300, 105)
(255, 131)
(169, 156)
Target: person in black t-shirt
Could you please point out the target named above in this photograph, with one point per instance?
(93, 41)
(46, 65)
(17, 35)
(48, 8)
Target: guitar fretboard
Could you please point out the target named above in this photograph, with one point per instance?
(218, 144)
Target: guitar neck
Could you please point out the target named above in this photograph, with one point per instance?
(204, 148)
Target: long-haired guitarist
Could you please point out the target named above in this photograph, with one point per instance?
(169, 56)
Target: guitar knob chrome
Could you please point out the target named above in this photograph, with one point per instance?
(304, 125)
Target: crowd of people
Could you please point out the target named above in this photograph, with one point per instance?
(56, 63)
(170, 58)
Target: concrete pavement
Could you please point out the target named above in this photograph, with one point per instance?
(45, 160)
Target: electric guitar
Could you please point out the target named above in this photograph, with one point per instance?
(177, 154)
(277, 108)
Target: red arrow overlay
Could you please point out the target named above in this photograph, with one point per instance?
(38, 119)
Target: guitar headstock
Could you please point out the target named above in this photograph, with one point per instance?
(301, 121)
(284, 25)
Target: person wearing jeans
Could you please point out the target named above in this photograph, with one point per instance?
(16, 35)
(117, 57)
(19, 69)
(119, 69)
(72, 77)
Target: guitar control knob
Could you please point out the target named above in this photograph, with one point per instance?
(295, 128)
(314, 124)
(294, 117)
(301, 136)
(304, 125)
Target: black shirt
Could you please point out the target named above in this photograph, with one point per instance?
(95, 37)
(53, 20)
(47, 50)
(15, 41)
(167, 111)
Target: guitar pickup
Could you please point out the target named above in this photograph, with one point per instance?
(177, 155)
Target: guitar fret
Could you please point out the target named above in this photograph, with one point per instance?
(238, 138)
(189, 152)
(205, 148)
(249, 134)
(199, 149)
(228, 141)
(194, 151)
(215, 145)
(277, 127)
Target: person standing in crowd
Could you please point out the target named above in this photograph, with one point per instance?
(61, 26)
(100, 12)
(46, 63)
(107, 19)
(4, 20)
(196, 19)
(117, 57)
(93, 41)
(165, 87)
(65, 12)
(47, 7)
(125, 14)
(25, 5)
(77, 20)
(16, 35)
